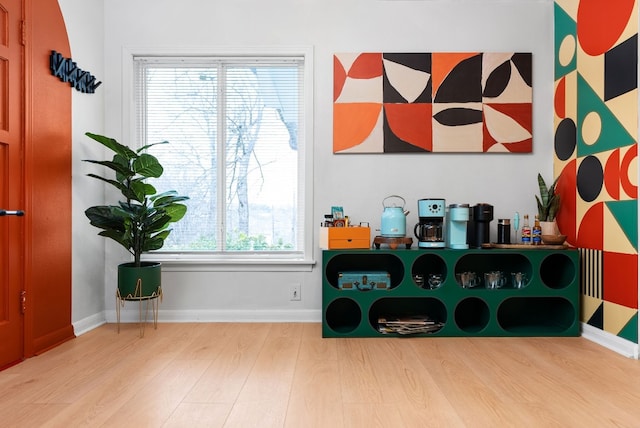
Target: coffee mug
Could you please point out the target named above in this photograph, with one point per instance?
(493, 279)
(467, 279)
(434, 280)
(419, 280)
(518, 279)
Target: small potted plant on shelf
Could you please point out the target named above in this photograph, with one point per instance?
(140, 220)
(548, 205)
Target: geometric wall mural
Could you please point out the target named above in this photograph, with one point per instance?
(596, 154)
(432, 102)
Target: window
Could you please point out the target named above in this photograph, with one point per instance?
(235, 126)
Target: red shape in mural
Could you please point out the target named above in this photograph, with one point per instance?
(411, 123)
(366, 66)
(520, 113)
(612, 175)
(520, 146)
(601, 23)
(339, 78)
(625, 170)
(591, 231)
(487, 139)
(559, 100)
(621, 279)
(566, 188)
(617, 173)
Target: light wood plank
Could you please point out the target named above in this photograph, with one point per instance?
(195, 415)
(359, 415)
(420, 400)
(265, 394)
(475, 403)
(224, 378)
(315, 399)
(314, 347)
(154, 402)
(358, 372)
(30, 416)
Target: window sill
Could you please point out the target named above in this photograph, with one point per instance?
(229, 263)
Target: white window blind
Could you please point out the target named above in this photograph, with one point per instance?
(235, 148)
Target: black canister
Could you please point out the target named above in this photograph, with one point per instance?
(504, 231)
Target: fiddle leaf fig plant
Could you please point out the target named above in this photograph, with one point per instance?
(548, 201)
(140, 221)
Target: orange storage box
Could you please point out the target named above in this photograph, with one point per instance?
(338, 238)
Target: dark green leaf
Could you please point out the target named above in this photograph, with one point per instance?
(148, 166)
(113, 145)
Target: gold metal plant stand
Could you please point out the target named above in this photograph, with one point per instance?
(137, 296)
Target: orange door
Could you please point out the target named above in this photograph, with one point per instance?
(12, 238)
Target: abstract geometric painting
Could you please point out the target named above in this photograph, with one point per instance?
(432, 102)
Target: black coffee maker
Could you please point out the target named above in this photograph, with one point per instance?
(478, 227)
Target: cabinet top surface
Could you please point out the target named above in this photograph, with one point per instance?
(451, 250)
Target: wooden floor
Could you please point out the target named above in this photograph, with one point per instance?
(286, 375)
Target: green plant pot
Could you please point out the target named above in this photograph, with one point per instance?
(139, 282)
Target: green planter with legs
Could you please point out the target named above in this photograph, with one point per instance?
(141, 282)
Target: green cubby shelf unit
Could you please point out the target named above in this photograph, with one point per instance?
(548, 304)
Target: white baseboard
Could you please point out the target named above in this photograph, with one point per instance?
(601, 337)
(610, 341)
(304, 315)
(89, 323)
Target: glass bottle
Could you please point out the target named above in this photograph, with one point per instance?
(526, 230)
(536, 232)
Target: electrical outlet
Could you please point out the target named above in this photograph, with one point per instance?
(294, 292)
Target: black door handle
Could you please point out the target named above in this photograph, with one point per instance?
(18, 213)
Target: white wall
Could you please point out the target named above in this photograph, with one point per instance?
(84, 21)
(357, 182)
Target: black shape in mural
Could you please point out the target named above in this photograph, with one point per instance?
(523, 62)
(620, 65)
(416, 61)
(458, 116)
(590, 178)
(565, 139)
(498, 80)
(463, 84)
(597, 319)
